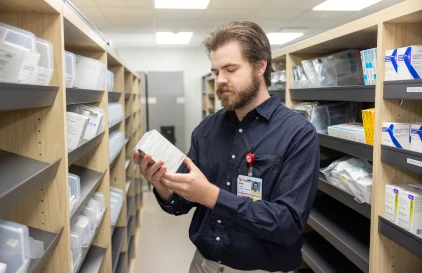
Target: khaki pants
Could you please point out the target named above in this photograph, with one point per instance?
(201, 265)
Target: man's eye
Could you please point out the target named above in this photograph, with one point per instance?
(231, 70)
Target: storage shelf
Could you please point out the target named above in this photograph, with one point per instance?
(114, 96)
(128, 182)
(78, 96)
(127, 140)
(322, 257)
(211, 96)
(130, 203)
(21, 176)
(343, 197)
(402, 158)
(115, 126)
(116, 245)
(115, 159)
(343, 228)
(130, 249)
(127, 118)
(127, 96)
(85, 250)
(11, 95)
(121, 264)
(130, 226)
(358, 93)
(90, 181)
(400, 236)
(50, 241)
(398, 90)
(79, 152)
(93, 260)
(346, 146)
(127, 162)
(280, 93)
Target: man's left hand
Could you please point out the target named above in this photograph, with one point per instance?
(193, 186)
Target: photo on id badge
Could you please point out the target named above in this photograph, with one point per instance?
(249, 187)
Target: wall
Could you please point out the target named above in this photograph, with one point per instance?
(193, 62)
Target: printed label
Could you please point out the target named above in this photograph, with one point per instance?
(414, 89)
(414, 162)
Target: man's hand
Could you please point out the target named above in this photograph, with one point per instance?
(193, 186)
(153, 174)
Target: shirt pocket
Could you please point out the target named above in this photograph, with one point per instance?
(266, 167)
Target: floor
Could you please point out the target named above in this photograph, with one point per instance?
(164, 245)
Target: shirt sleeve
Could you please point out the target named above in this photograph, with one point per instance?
(177, 205)
(280, 220)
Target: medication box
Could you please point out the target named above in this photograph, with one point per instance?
(76, 128)
(44, 70)
(391, 205)
(391, 66)
(416, 138)
(161, 149)
(368, 117)
(396, 135)
(409, 62)
(410, 209)
(89, 73)
(70, 74)
(369, 59)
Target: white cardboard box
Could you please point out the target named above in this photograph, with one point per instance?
(410, 209)
(409, 62)
(391, 66)
(396, 134)
(415, 138)
(391, 205)
(76, 127)
(96, 119)
(161, 149)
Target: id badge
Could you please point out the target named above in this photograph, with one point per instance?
(249, 187)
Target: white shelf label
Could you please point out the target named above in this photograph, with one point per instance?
(414, 162)
(414, 89)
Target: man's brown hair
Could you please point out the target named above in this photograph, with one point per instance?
(252, 39)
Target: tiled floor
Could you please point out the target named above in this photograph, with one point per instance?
(164, 245)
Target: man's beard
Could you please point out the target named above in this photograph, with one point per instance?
(239, 98)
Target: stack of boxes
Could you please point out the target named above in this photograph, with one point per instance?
(403, 136)
(403, 63)
(369, 65)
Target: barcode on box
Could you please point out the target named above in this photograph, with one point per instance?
(414, 89)
(414, 162)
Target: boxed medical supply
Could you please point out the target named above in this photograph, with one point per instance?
(410, 209)
(76, 128)
(396, 135)
(409, 62)
(44, 71)
(70, 62)
(368, 117)
(161, 149)
(416, 137)
(18, 54)
(90, 73)
(391, 66)
(391, 205)
(96, 119)
(368, 58)
(74, 191)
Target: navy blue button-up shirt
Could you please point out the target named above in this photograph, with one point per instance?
(238, 232)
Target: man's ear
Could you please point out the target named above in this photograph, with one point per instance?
(262, 66)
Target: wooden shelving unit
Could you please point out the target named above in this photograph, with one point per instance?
(209, 98)
(391, 249)
(33, 134)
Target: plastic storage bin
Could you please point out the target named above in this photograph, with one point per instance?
(18, 54)
(75, 249)
(114, 213)
(82, 227)
(117, 193)
(90, 73)
(91, 213)
(14, 246)
(100, 199)
(74, 191)
(110, 80)
(323, 116)
(70, 74)
(45, 69)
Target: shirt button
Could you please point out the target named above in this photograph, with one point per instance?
(221, 269)
(233, 156)
(228, 184)
(218, 238)
(219, 262)
(172, 202)
(219, 221)
(240, 130)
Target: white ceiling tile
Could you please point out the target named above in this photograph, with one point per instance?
(176, 25)
(179, 14)
(127, 12)
(91, 12)
(132, 22)
(228, 13)
(235, 4)
(83, 3)
(272, 13)
(324, 15)
(126, 3)
(285, 5)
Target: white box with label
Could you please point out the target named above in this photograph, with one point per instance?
(396, 135)
(391, 67)
(416, 138)
(410, 209)
(391, 205)
(409, 62)
(76, 128)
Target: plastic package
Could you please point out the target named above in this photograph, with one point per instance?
(90, 73)
(74, 191)
(352, 175)
(18, 54)
(278, 80)
(91, 213)
(14, 246)
(75, 249)
(99, 197)
(70, 60)
(45, 69)
(82, 227)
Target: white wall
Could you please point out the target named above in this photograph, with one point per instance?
(193, 62)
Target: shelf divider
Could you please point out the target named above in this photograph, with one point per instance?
(403, 90)
(405, 159)
(114, 96)
(116, 245)
(93, 260)
(121, 263)
(358, 93)
(346, 146)
(79, 152)
(78, 96)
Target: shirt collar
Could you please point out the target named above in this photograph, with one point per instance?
(265, 109)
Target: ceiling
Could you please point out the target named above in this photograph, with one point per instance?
(133, 23)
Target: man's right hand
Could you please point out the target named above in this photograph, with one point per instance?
(153, 173)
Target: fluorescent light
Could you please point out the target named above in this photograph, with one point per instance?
(345, 5)
(181, 4)
(277, 38)
(170, 38)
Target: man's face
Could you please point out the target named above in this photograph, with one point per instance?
(255, 187)
(237, 81)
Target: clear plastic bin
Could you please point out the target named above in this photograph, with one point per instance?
(91, 213)
(114, 214)
(14, 246)
(99, 197)
(323, 116)
(118, 193)
(75, 249)
(45, 69)
(70, 60)
(74, 192)
(90, 73)
(110, 80)
(82, 227)
(18, 54)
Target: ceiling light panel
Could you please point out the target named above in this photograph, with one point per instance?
(181, 4)
(277, 38)
(170, 38)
